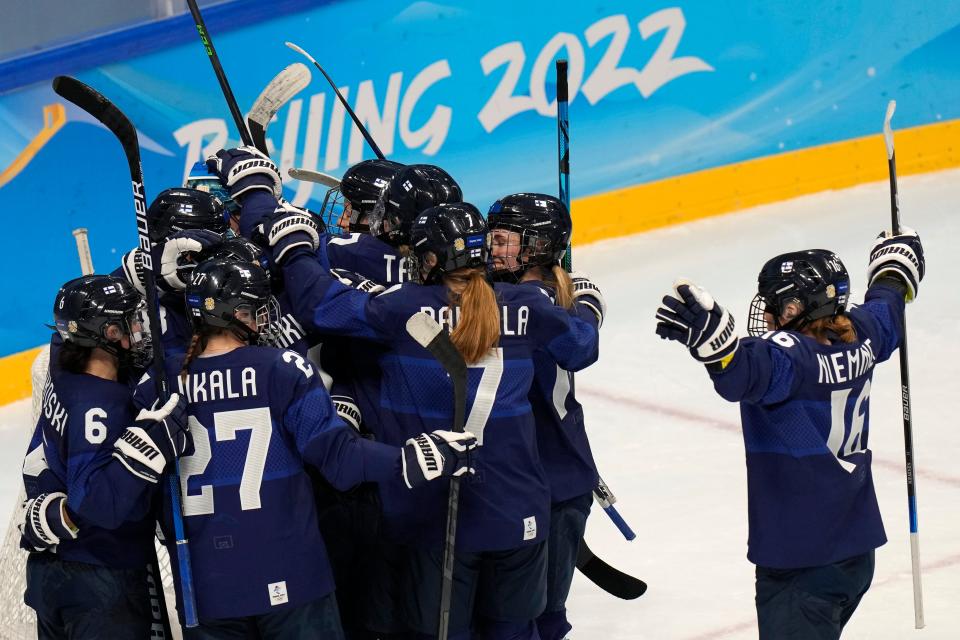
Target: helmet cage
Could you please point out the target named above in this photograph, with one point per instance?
(533, 249)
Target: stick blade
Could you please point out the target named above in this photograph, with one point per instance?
(284, 86)
(423, 329)
(887, 129)
(317, 177)
(613, 581)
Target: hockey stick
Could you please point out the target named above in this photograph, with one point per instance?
(221, 76)
(918, 621)
(83, 251)
(314, 176)
(563, 148)
(343, 101)
(601, 493)
(286, 84)
(107, 113)
(613, 581)
(432, 337)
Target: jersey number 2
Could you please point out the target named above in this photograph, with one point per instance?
(226, 424)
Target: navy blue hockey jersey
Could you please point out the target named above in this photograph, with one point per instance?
(81, 417)
(257, 414)
(561, 434)
(806, 425)
(507, 503)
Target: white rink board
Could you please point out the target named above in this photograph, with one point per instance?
(672, 451)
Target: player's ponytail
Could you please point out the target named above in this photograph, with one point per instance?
(197, 345)
(477, 329)
(561, 283)
(839, 326)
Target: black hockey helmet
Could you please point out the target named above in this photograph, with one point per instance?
(413, 190)
(361, 189)
(226, 293)
(805, 285)
(180, 209)
(238, 249)
(98, 312)
(544, 227)
(457, 236)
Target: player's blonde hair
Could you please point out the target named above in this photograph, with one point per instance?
(477, 329)
(561, 283)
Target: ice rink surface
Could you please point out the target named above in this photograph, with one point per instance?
(672, 450)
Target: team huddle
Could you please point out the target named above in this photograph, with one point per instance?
(307, 446)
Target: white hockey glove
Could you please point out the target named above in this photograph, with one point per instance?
(181, 252)
(356, 281)
(246, 169)
(348, 410)
(900, 256)
(132, 263)
(689, 315)
(291, 229)
(435, 455)
(587, 293)
(45, 522)
(157, 437)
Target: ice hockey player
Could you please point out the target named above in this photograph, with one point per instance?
(86, 575)
(501, 550)
(259, 564)
(531, 232)
(803, 384)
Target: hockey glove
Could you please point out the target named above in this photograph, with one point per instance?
(356, 281)
(690, 315)
(348, 410)
(435, 455)
(181, 254)
(45, 522)
(157, 437)
(585, 292)
(132, 263)
(246, 169)
(900, 256)
(291, 229)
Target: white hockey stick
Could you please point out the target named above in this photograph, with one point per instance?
(83, 250)
(314, 176)
(284, 86)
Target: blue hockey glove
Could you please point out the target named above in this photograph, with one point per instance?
(356, 281)
(45, 522)
(689, 315)
(288, 230)
(181, 254)
(436, 455)
(585, 292)
(246, 169)
(158, 436)
(900, 256)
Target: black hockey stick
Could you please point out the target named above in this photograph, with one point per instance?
(613, 581)
(284, 86)
(431, 336)
(91, 101)
(343, 101)
(221, 76)
(905, 388)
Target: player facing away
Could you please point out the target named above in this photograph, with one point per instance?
(86, 574)
(257, 415)
(500, 565)
(531, 232)
(803, 383)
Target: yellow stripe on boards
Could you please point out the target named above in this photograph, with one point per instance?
(15, 375)
(759, 181)
(54, 117)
